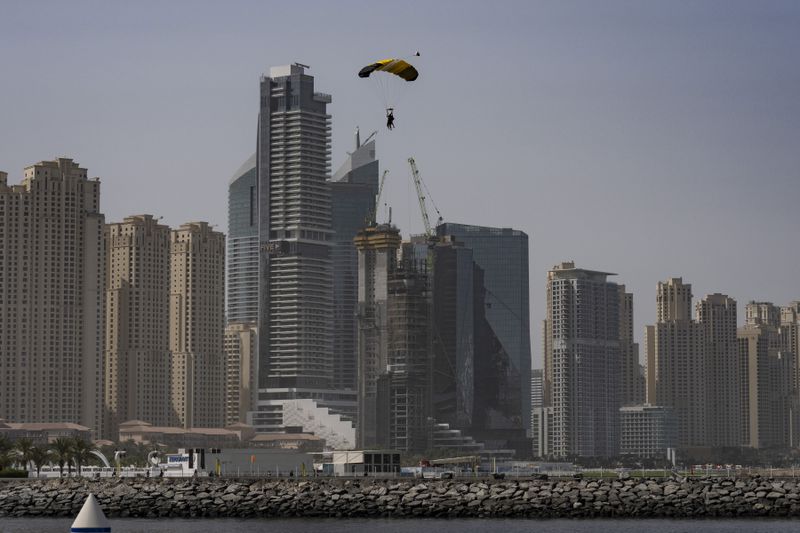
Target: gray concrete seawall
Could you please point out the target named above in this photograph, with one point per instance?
(633, 498)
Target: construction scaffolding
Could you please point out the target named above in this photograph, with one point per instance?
(405, 388)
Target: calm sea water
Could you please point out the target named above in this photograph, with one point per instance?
(31, 525)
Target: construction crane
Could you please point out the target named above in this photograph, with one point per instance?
(373, 216)
(419, 184)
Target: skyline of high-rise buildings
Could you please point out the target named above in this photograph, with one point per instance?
(755, 394)
(292, 275)
(125, 303)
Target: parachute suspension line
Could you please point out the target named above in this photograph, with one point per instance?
(389, 88)
(384, 86)
(398, 92)
(379, 90)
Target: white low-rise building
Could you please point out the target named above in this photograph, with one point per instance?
(306, 415)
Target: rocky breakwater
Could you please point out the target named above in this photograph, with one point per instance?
(692, 498)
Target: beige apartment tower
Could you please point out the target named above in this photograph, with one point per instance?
(197, 325)
(716, 315)
(673, 300)
(768, 395)
(676, 371)
(137, 363)
(790, 338)
(241, 371)
(51, 296)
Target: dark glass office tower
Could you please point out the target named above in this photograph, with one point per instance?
(502, 254)
(454, 333)
(242, 286)
(497, 404)
(353, 190)
(295, 313)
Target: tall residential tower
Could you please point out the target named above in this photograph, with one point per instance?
(51, 296)
(583, 368)
(138, 362)
(676, 362)
(197, 325)
(768, 395)
(716, 315)
(295, 301)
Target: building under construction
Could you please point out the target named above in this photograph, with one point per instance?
(377, 258)
(394, 349)
(404, 389)
(433, 370)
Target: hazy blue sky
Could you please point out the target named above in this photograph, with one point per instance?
(651, 139)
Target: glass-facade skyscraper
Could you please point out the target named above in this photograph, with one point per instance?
(241, 296)
(454, 338)
(295, 300)
(353, 190)
(502, 254)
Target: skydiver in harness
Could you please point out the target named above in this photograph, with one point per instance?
(390, 118)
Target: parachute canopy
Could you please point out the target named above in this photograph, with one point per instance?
(398, 67)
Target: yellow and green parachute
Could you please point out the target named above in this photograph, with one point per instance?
(390, 77)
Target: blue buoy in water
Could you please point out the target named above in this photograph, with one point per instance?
(91, 518)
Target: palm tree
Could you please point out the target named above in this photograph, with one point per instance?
(62, 453)
(7, 453)
(82, 453)
(6, 459)
(39, 456)
(23, 448)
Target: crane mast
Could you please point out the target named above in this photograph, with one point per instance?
(421, 197)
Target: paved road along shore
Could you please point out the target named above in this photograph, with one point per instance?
(634, 498)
